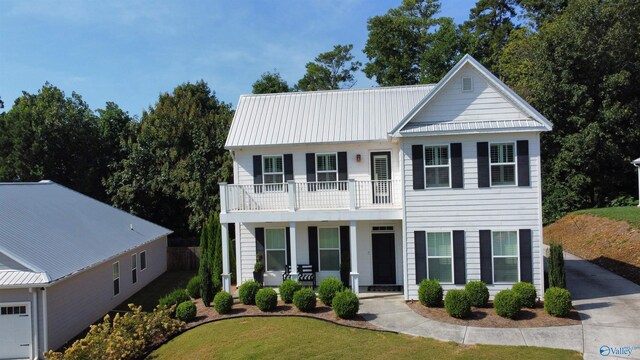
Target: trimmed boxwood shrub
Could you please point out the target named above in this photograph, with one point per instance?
(266, 299)
(186, 311)
(527, 293)
(478, 293)
(305, 299)
(328, 289)
(175, 297)
(507, 303)
(557, 302)
(193, 287)
(287, 289)
(430, 293)
(223, 301)
(247, 292)
(457, 303)
(346, 304)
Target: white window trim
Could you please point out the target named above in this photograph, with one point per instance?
(145, 260)
(320, 249)
(440, 257)
(266, 248)
(425, 166)
(134, 267)
(264, 173)
(462, 83)
(514, 163)
(493, 266)
(320, 188)
(113, 275)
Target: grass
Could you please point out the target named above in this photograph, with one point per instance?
(630, 214)
(301, 338)
(149, 295)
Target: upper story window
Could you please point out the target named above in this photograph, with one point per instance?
(143, 260)
(503, 164)
(276, 249)
(329, 248)
(273, 172)
(327, 170)
(505, 256)
(116, 278)
(437, 166)
(134, 268)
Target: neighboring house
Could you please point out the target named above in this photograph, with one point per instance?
(395, 184)
(65, 261)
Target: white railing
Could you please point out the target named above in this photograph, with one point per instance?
(294, 196)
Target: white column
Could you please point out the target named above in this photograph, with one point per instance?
(291, 188)
(223, 197)
(294, 251)
(353, 252)
(226, 276)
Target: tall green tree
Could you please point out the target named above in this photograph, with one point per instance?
(206, 271)
(270, 83)
(536, 12)
(331, 70)
(217, 252)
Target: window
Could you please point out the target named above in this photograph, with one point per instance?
(505, 256)
(327, 170)
(143, 260)
(276, 249)
(116, 278)
(134, 269)
(440, 257)
(13, 310)
(467, 84)
(329, 249)
(436, 162)
(503, 165)
(273, 172)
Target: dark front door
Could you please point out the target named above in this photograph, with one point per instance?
(384, 258)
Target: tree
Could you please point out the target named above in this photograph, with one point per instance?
(270, 83)
(206, 271)
(217, 252)
(331, 70)
(539, 11)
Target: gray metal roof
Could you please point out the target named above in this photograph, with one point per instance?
(440, 128)
(321, 116)
(17, 277)
(56, 231)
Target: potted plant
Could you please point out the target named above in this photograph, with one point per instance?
(258, 269)
(345, 268)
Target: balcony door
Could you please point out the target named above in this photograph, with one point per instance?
(381, 177)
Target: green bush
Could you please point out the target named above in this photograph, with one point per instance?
(507, 304)
(457, 303)
(177, 296)
(328, 289)
(266, 299)
(193, 287)
(345, 304)
(557, 302)
(247, 292)
(186, 311)
(555, 264)
(478, 293)
(527, 293)
(305, 299)
(430, 293)
(287, 289)
(223, 301)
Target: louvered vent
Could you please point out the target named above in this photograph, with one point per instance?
(467, 84)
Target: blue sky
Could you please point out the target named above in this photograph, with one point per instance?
(129, 52)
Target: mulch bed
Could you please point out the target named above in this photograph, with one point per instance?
(487, 317)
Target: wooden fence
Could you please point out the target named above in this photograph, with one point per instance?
(183, 258)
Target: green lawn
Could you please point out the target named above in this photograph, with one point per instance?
(149, 295)
(630, 214)
(301, 338)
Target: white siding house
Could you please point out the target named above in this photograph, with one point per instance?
(65, 261)
(392, 184)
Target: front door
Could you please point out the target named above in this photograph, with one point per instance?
(381, 177)
(384, 258)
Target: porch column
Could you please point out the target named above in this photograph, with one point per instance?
(353, 250)
(294, 251)
(226, 276)
(223, 197)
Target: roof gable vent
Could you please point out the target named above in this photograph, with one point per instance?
(467, 84)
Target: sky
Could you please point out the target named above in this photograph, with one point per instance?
(129, 52)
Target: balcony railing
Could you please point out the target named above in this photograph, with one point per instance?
(295, 196)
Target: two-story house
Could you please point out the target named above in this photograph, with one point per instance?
(393, 184)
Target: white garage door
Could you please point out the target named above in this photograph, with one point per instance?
(15, 330)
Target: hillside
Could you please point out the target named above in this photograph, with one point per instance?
(608, 237)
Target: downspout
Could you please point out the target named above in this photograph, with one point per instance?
(45, 320)
(35, 352)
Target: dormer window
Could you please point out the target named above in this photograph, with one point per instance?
(467, 84)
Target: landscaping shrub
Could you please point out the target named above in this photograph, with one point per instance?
(266, 299)
(186, 311)
(527, 293)
(174, 298)
(478, 293)
(287, 289)
(193, 287)
(457, 303)
(557, 302)
(305, 299)
(430, 293)
(328, 289)
(247, 292)
(507, 304)
(223, 301)
(556, 266)
(345, 304)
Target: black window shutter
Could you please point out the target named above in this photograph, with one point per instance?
(257, 169)
(288, 167)
(483, 165)
(457, 175)
(523, 163)
(420, 238)
(260, 244)
(526, 262)
(311, 171)
(417, 160)
(486, 267)
(344, 245)
(288, 235)
(343, 174)
(313, 247)
(459, 264)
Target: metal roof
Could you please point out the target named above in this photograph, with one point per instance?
(321, 116)
(17, 277)
(440, 128)
(56, 231)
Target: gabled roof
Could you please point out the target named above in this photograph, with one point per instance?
(48, 232)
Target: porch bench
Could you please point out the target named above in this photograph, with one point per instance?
(305, 273)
